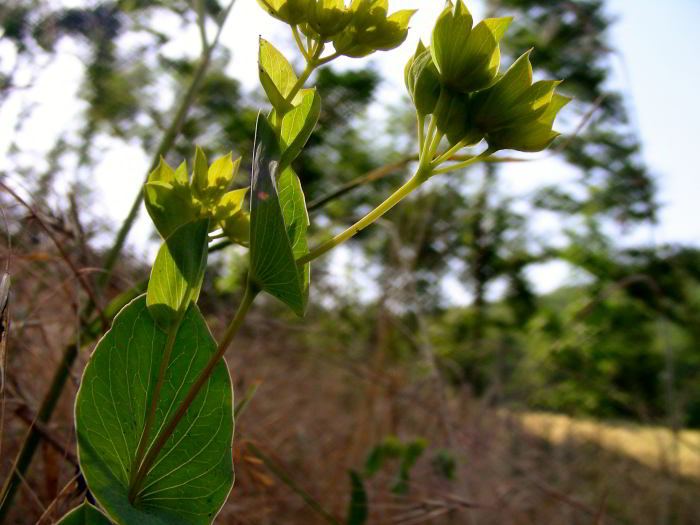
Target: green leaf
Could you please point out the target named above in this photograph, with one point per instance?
(177, 273)
(530, 136)
(276, 76)
(449, 41)
(163, 173)
(200, 178)
(357, 511)
(497, 26)
(181, 177)
(299, 123)
(169, 206)
(229, 204)
(296, 221)
(85, 514)
(193, 473)
(423, 82)
(221, 174)
(272, 263)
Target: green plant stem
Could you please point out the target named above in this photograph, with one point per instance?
(311, 64)
(327, 59)
(371, 176)
(420, 176)
(300, 44)
(251, 292)
(155, 396)
(479, 158)
(451, 151)
(432, 129)
(433, 149)
(421, 131)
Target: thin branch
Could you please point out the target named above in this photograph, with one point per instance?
(78, 274)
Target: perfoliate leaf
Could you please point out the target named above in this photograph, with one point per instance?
(276, 76)
(272, 263)
(177, 273)
(299, 123)
(85, 514)
(192, 475)
(357, 511)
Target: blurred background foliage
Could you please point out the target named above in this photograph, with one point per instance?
(621, 343)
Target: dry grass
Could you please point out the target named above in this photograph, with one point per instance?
(655, 447)
(319, 411)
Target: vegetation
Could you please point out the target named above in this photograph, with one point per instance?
(367, 412)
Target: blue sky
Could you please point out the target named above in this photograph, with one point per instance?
(657, 68)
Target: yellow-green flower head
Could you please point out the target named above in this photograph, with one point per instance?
(516, 114)
(422, 80)
(372, 29)
(467, 57)
(328, 17)
(173, 200)
(290, 11)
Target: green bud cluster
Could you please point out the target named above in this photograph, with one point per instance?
(457, 81)
(173, 198)
(355, 31)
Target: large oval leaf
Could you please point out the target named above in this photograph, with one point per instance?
(85, 514)
(178, 271)
(193, 474)
(272, 263)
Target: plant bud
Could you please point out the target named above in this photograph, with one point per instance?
(328, 17)
(467, 58)
(453, 119)
(237, 228)
(422, 80)
(292, 12)
(371, 30)
(172, 200)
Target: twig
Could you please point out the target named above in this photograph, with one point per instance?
(51, 505)
(81, 278)
(24, 413)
